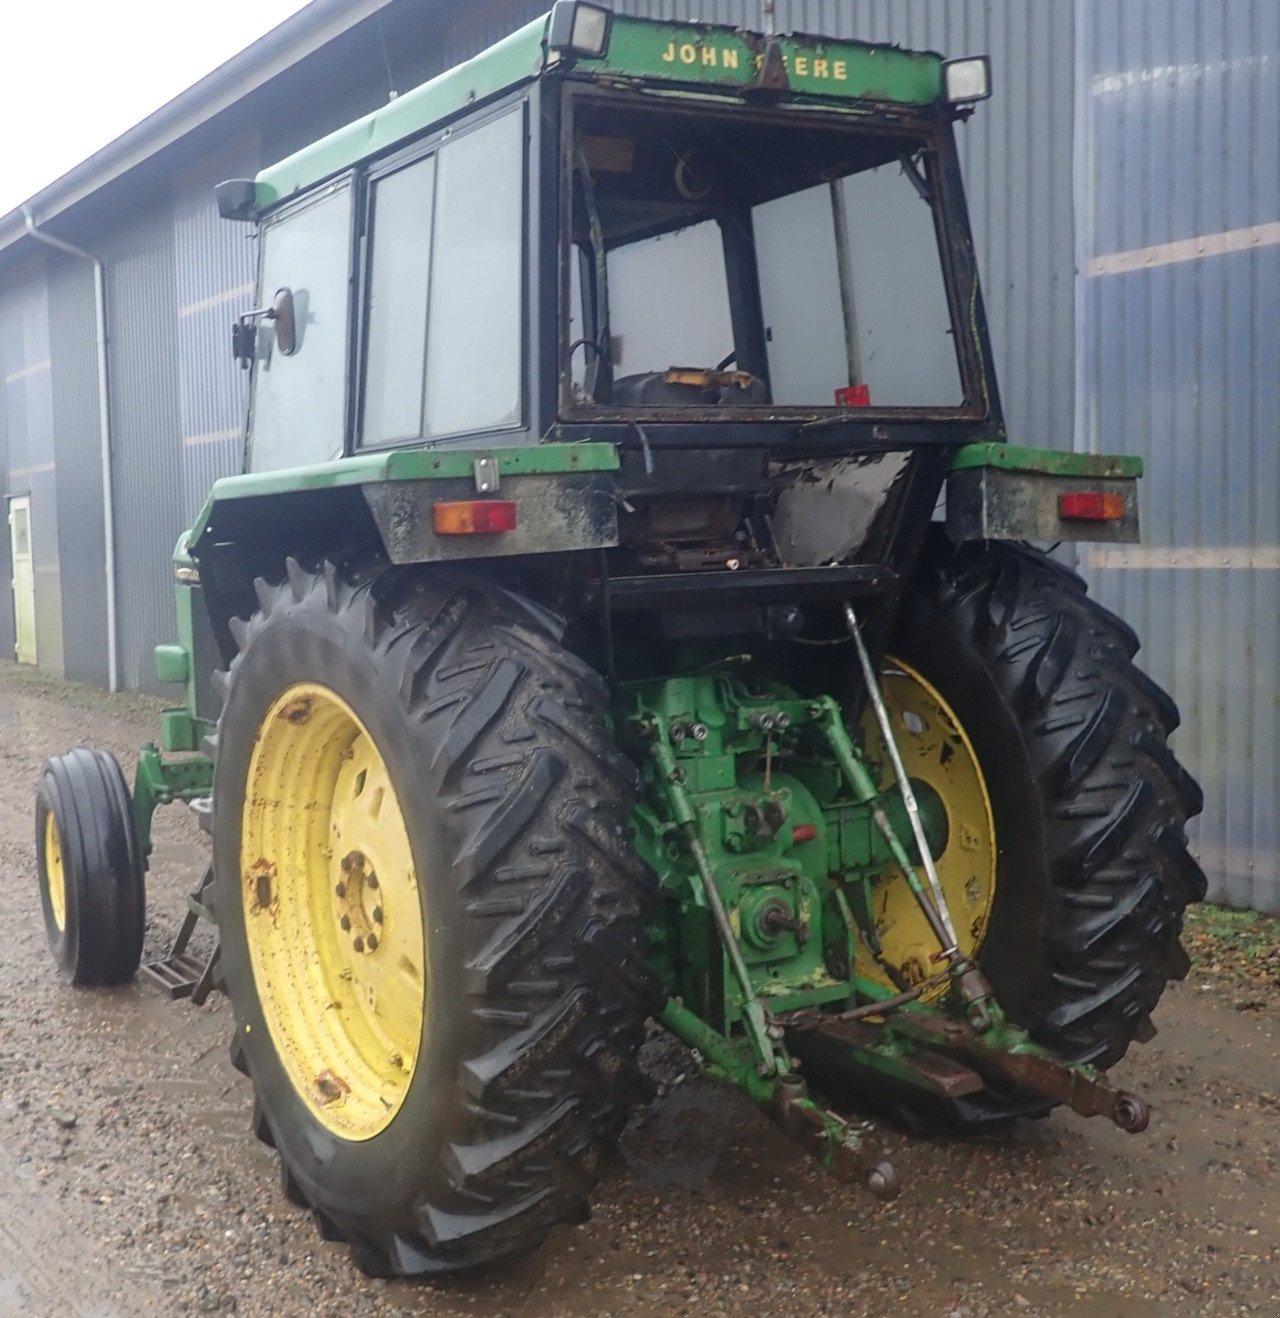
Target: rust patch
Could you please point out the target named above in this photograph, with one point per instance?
(330, 1088)
(259, 883)
(299, 710)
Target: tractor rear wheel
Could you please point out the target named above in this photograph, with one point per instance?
(427, 909)
(1016, 699)
(90, 868)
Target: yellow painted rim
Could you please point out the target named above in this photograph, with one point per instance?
(54, 876)
(936, 751)
(333, 912)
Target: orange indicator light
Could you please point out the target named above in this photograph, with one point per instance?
(1088, 507)
(474, 517)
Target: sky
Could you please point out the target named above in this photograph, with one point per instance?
(75, 74)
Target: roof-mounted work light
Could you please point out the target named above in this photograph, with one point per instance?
(966, 80)
(579, 29)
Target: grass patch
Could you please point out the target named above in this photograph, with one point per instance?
(1237, 949)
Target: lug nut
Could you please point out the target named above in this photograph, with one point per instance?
(373, 942)
(371, 880)
(341, 890)
(345, 922)
(358, 944)
(377, 915)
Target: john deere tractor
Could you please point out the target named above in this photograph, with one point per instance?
(628, 610)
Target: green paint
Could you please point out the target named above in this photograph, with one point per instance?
(708, 56)
(738, 765)
(173, 663)
(1052, 462)
(640, 50)
(159, 781)
(515, 59)
(406, 464)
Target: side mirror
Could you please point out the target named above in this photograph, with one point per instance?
(282, 316)
(244, 331)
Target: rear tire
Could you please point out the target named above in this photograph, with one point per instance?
(90, 868)
(514, 804)
(1088, 802)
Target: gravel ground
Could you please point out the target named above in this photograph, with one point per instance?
(129, 1183)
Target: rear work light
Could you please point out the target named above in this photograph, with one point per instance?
(966, 80)
(474, 517)
(579, 29)
(1087, 507)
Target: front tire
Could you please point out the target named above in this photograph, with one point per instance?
(90, 868)
(450, 1125)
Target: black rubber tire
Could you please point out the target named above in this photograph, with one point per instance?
(1089, 804)
(516, 804)
(100, 942)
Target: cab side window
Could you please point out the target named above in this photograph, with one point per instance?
(299, 400)
(444, 329)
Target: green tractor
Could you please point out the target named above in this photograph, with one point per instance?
(583, 644)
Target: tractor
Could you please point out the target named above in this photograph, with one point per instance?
(629, 611)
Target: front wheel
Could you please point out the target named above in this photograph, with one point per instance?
(90, 868)
(1015, 699)
(421, 881)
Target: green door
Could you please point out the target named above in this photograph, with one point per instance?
(24, 580)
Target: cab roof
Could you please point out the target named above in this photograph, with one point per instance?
(639, 51)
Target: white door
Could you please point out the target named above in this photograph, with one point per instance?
(24, 580)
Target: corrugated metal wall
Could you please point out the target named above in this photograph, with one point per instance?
(78, 441)
(26, 401)
(146, 432)
(214, 272)
(1179, 361)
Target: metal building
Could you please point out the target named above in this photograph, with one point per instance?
(1124, 186)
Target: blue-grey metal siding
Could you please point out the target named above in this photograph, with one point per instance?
(1179, 361)
(146, 432)
(78, 444)
(214, 265)
(27, 392)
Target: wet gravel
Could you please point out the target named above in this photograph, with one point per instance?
(129, 1182)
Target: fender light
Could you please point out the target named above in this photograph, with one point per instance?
(578, 29)
(1086, 507)
(474, 517)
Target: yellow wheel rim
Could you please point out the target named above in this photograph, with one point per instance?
(333, 912)
(53, 873)
(936, 752)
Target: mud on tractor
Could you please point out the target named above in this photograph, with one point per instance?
(581, 645)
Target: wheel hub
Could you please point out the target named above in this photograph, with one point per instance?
(359, 896)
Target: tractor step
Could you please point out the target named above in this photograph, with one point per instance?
(180, 973)
(177, 976)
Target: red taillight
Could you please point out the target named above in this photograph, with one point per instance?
(474, 517)
(854, 395)
(1089, 507)
(803, 833)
